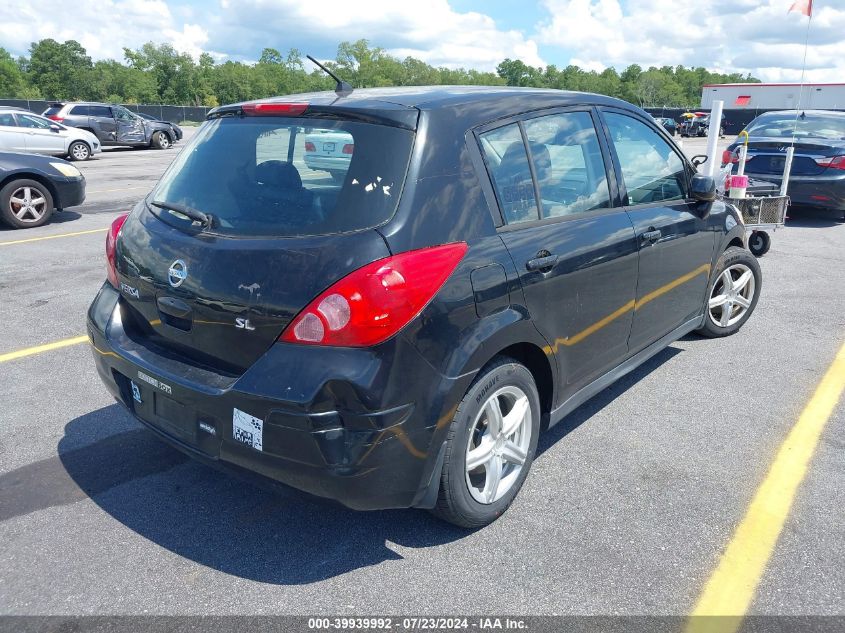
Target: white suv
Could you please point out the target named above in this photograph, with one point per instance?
(30, 133)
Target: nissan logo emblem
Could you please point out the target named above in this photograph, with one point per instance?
(177, 273)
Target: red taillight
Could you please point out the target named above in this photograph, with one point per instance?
(274, 109)
(373, 303)
(348, 148)
(111, 248)
(729, 157)
(309, 147)
(56, 118)
(832, 162)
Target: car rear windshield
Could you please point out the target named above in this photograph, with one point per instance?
(809, 125)
(52, 110)
(271, 176)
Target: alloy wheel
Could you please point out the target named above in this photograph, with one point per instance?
(28, 204)
(731, 296)
(80, 151)
(498, 444)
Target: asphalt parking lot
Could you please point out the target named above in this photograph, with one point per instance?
(627, 510)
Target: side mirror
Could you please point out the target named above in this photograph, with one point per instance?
(703, 188)
(55, 128)
(698, 160)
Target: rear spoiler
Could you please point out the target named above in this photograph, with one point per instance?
(378, 112)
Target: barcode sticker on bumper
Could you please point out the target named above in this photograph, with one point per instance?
(247, 429)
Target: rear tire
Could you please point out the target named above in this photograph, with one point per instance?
(733, 293)
(25, 203)
(496, 425)
(759, 243)
(160, 140)
(79, 150)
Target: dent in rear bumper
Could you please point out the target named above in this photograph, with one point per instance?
(339, 423)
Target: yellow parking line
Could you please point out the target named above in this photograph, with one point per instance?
(29, 351)
(52, 237)
(732, 586)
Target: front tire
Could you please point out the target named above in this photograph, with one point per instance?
(490, 446)
(734, 291)
(25, 203)
(79, 150)
(160, 140)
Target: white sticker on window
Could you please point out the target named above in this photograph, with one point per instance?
(247, 429)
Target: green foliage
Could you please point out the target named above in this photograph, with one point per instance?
(157, 73)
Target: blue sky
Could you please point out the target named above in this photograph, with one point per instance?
(756, 36)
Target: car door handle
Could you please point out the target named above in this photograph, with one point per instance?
(650, 237)
(541, 263)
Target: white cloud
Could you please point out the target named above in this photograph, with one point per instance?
(433, 32)
(103, 27)
(756, 36)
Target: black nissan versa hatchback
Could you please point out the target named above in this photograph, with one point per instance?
(490, 259)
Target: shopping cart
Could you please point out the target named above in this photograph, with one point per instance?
(762, 210)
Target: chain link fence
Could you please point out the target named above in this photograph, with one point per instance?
(174, 114)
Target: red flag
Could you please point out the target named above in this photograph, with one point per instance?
(802, 6)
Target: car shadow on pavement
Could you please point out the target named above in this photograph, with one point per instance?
(207, 516)
(57, 218)
(221, 521)
(590, 408)
(812, 218)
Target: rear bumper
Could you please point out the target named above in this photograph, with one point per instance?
(327, 163)
(824, 192)
(70, 192)
(344, 424)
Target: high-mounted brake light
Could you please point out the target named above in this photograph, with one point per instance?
(375, 302)
(273, 109)
(111, 248)
(832, 162)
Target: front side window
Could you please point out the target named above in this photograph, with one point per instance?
(26, 120)
(507, 162)
(269, 176)
(651, 170)
(568, 164)
(122, 114)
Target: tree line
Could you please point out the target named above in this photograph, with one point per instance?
(157, 73)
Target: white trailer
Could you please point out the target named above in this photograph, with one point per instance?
(775, 96)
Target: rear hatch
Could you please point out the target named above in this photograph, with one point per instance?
(219, 295)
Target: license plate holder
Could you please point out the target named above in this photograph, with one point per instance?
(173, 416)
(328, 147)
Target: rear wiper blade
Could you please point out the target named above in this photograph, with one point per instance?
(205, 219)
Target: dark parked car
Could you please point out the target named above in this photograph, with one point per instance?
(668, 124)
(818, 165)
(700, 126)
(33, 186)
(491, 258)
(113, 124)
(177, 131)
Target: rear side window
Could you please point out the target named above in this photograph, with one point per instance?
(7, 119)
(270, 176)
(651, 170)
(507, 162)
(568, 163)
(103, 111)
(79, 110)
